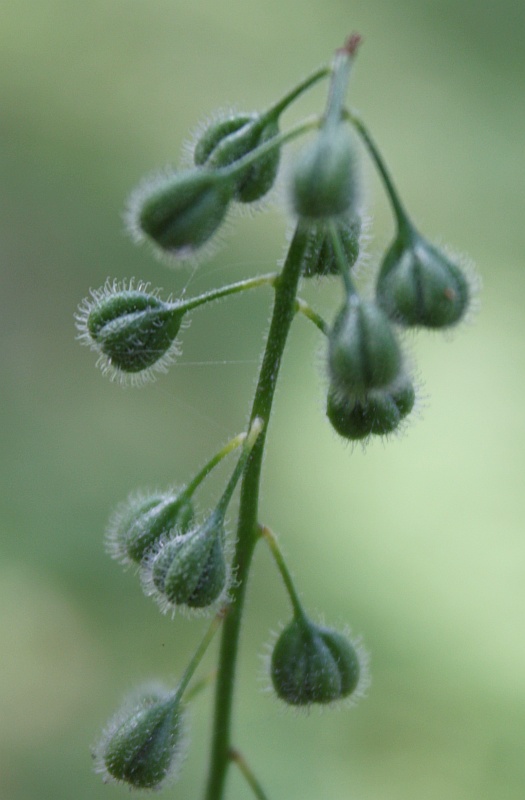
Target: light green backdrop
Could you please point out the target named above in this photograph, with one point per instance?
(418, 544)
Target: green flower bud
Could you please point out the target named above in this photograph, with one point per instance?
(420, 285)
(180, 212)
(314, 664)
(379, 412)
(324, 181)
(363, 352)
(132, 330)
(215, 133)
(319, 258)
(141, 521)
(144, 744)
(229, 140)
(189, 570)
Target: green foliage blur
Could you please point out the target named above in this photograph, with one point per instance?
(418, 544)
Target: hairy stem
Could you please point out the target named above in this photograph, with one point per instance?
(247, 530)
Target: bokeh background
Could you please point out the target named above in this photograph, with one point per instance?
(418, 544)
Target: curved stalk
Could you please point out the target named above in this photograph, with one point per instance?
(248, 530)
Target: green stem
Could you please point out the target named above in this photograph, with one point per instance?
(247, 530)
(199, 653)
(224, 291)
(341, 68)
(281, 105)
(267, 534)
(313, 316)
(251, 780)
(205, 471)
(251, 437)
(404, 224)
(237, 167)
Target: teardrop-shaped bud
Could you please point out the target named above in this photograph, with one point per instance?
(314, 664)
(132, 330)
(180, 212)
(363, 351)
(216, 132)
(418, 285)
(189, 570)
(319, 259)
(141, 521)
(325, 181)
(258, 178)
(379, 412)
(144, 743)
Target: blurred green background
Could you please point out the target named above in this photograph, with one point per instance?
(418, 544)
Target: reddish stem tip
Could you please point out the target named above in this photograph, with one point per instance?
(352, 43)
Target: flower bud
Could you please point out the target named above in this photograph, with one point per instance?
(139, 523)
(379, 412)
(143, 745)
(215, 133)
(190, 569)
(132, 330)
(230, 140)
(319, 258)
(420, 285)
(324, 181)
(363, 352)
(180, 212)
(313, 664)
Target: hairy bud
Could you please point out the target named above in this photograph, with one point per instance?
(139, 523)
(379, 412)
(229, 140)
(314, 664)
(190, 569)
(363, 352)
(143, 745)
(319, 258)
(180, 212)
(324, 181)
(418, 285)
(132, 330)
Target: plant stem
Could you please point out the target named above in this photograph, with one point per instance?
(247, 530)
(252, 781)
(267, 534)
(224, 291)
(404, 224)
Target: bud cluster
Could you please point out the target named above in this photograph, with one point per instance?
(184, 558)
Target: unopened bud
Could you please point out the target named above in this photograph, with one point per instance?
(143, 745)
(363, 351)
(139, 523)
(132, 330)
(419, 285)
(189, 570)
(319, 258)
(379, 412)
(314, 664)
(325, 181)
(227, 141)
(180, 212)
